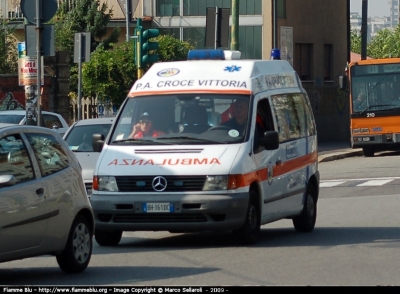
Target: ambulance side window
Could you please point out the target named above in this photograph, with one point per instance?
(287, 117)
(303, 114)
(264, 122)
(264, 119)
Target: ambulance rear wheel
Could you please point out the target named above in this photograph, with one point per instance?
(368, 151)
(104, 238)
(305, 222)
(249, 233)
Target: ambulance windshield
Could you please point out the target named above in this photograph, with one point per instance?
(183, 119)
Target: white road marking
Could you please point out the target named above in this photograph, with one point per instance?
(330, 184)
(367, 182)
(375, 183)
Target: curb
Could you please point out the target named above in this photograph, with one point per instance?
(339, 155)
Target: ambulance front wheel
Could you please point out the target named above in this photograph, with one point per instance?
(104, 238)
(249, 233)
(305, 222)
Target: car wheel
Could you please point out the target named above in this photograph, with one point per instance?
(107, 238)
(249, 233)
(305, 222)
(78, 250)
(368, 152)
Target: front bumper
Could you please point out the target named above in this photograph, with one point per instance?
(192, 211)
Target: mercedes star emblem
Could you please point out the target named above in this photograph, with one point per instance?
(159, 184)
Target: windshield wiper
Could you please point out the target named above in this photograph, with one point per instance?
(376, 105)
(136, 140)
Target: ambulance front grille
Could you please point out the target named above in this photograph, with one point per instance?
(160, 218)
(174, 183)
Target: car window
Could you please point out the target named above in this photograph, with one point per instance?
(49, 153)
(50, 121)
(80, 137)
(11, 119)
(14, 159)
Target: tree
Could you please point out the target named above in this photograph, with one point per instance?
(355, 43)
(8, 49)
(385, 44)
(77, 16)
(83, 16)
(111, 73)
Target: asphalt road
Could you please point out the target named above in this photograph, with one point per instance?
(355, 243)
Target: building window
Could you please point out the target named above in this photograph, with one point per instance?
(250, 42)
(303, 61)
(199, 7)
(281, 8)
(174, 32)
(195, 36)
(167, 7)
(328, 62)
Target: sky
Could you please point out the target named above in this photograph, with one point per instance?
(375, 7)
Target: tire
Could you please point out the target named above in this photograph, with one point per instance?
(305, 222)
(368, 152)
(249, 233)
(104, 238)
(77, 253)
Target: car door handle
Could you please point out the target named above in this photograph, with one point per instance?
(278, 162)
(40, 192)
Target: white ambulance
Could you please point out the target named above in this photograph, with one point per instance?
(213, 143)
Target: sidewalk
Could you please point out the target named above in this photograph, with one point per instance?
(329, 151)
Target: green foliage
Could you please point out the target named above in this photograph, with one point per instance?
(355, 43)
(8, 49)
(385, 44)
(172, 49)
(111, 73)
(77, 16)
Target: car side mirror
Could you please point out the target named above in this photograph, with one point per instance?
(7, 180)
(270, 140)
(97, 142)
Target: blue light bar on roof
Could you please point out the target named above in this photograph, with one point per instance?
(206, 54)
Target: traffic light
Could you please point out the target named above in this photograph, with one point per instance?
(148, 46)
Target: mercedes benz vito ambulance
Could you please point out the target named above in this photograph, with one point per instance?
(209, 145)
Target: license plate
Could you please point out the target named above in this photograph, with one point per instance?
(158, 207)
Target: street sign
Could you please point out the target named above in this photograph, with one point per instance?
(28, 8)
(82, 47)
(217, 27)
(47, 40)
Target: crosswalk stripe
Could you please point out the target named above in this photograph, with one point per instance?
(330, 184)
(374, 183)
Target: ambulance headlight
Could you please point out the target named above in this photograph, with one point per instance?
(107, 184)
(215, 183)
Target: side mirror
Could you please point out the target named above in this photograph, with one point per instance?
(97, 142)
(7, 180)
(270, 140)
(343, 82)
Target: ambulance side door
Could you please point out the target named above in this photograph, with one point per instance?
(290, 171)
(266, 160)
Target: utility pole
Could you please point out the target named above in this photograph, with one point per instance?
(364, 29)
(235, 25)
(275, 20)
